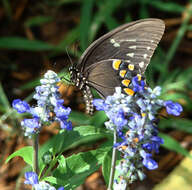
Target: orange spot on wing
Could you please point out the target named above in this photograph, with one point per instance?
(131, 67)
(136, 140)
(143, 114)
(122, 73)
(116, 64)
(125, 82)
(129, 91)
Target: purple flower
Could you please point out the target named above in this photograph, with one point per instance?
(121, 134)
(42, 90)
(120, 185)
(118, 118)
(20, 106)
(99, 104)
(66, 125)
(30, 125)
(173, 108)
(154, 144)
(42, 185)
(60, 188)
(138, 86)
(122, 143)
(31, 178)
(149, 163)
(62, 112)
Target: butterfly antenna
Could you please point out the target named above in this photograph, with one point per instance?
(69, 56)
(65, 79)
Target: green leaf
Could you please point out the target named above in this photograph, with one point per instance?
(20, 43)
(63, 2)
(7, 8)
(106, 9)
(179, 85)
(172, 77)
(106, 166)
(99, 118)
(166, 6)
(144, 13)
(79, 166)
(186, 76)
(3, 99)
(173, 145)
(54, 180)
(79, 118)
(26, 153)
(86, 14)
(70, 139)
(30, 85)
(62, 167)
(68, 39)
(37, 20)
(111, 22)
(77, 136)
(179, 124)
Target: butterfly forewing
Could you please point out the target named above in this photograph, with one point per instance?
(135, 42)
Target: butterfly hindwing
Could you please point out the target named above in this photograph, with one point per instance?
(108, 74)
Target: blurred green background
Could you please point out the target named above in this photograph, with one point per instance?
(36, 35)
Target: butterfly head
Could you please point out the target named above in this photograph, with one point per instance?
(73, 73)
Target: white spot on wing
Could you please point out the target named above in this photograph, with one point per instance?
(141, 64)
(112, 41)
(130, 40)
(116, 45)
(148, 48)
(133, 47)
(130, 54)
(145, 56)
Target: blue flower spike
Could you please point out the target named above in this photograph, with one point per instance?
(49, 106)
(31, 178)
(133, 118)
(173, 108)
(99, 104)
(20, 106)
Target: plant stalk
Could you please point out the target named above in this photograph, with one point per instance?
(114, 157)
(36, 149)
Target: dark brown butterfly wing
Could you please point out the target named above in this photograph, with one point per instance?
(115, 58)
(135, 42)
(107, 76)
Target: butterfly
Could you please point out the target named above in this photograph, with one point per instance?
(115, 58)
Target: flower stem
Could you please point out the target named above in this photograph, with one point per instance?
(114, 156)
(36, 149)
(127, 187)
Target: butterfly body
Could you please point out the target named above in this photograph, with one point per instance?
(115, 58)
